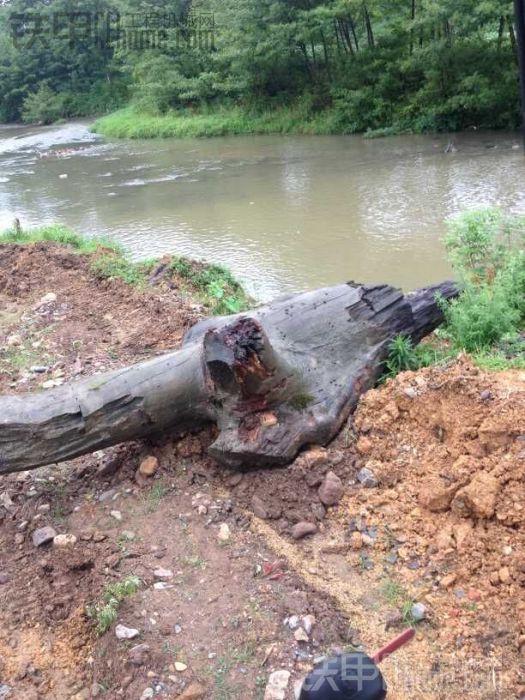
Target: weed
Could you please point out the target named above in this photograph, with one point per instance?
(58, 234)
(157, 493)
(104, 614)
(392, 592)
(111, 266)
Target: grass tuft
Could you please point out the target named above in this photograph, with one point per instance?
(104, 613)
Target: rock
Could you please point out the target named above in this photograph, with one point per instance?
(331, 490)
(485, 395)
(5, 691)
(448, 581)
(293, 622)
(139, 654)
(418, 612)
(356, 540)
(364, 445)
(504, 574)
(308, 623)
(436, 495)
(124, 632)
(4, 578)
(19, 538)
(43, 535)
(474, 595)
(14, 341)
(318, 511)
(315, 457)
(180, 667)
(116, 514)
(67, 540)
(194, 691)
(224, 533)
(147, 694)
(300, 635)
(48, 298)
(367, 478)
(96, 690)
(277, 685)
(303, 529)
(478, 498)
(163, 574)
(394, 619)
(162, 586)
(258, 507)
(149, 466)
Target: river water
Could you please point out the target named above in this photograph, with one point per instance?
(285, 213)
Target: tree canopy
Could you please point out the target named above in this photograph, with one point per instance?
(420, 65)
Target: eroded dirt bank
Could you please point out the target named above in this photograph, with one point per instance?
(415, 515)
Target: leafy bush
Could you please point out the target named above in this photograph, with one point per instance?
(486, 250)
(43, 106)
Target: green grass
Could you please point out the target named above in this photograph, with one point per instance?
(212, 285)
(58, 234)
(131, 123)
(105, 613)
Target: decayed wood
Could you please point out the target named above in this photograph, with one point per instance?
(273, 380)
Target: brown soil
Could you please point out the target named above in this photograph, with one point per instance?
(444, 526)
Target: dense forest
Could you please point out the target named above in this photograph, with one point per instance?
(340, 65)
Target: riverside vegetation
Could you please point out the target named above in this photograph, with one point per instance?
(324, 66)
(486, 248)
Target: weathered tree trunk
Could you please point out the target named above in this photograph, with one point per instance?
(273, 380)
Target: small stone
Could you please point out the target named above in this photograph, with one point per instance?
(395, 618)
(331, 490)
(4, 578)
(303, 529)
(356, 540)
(14, 341)
(44, 508)
(116, 514)
(138, 655)
(224, 533)
(485, 395)
(258, 507)
(301, 636)
(391, 558)
(19, 538)
(163, 573)
(315, 457)
(67, 540)
(5, 691)
(128, 535)
(277, 685)
(162, 586)
(293, 622)
(147, 694)
(418, 612)
(194, 691)
(367, 478)
(474, 595)
(308, 623)
(180, 667)
(504, 574)
(43, 535)
(448, 581)
(48, 298)
(123, 632)
(149, 466)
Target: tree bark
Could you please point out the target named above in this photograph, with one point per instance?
(273, 380)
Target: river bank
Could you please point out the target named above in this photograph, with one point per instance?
(215, 606)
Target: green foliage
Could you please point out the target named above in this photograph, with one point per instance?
(104, 613)
(58, 234)
(215, 285)
(486, 250)
(274, 66)
(112, 265)
(403, 356)
(43, 106)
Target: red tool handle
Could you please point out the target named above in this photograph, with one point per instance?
(394, 645)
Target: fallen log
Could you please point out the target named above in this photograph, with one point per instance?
(274, 379)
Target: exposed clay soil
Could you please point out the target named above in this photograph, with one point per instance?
(443, 526)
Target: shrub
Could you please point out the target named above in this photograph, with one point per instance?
(486, 251)
(43, 106)
(105, 613)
